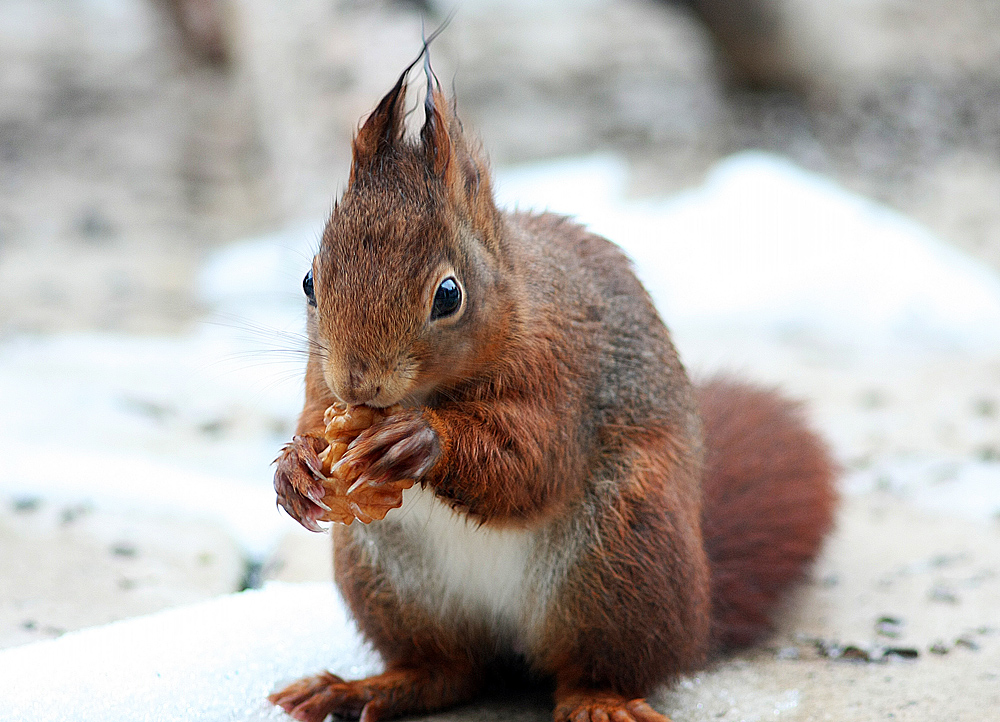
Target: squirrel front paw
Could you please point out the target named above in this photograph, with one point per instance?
(388, 457)
(298, 481)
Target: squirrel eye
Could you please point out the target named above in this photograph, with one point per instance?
(307, 286)
(447, 299)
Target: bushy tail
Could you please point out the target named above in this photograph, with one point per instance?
(768, 503)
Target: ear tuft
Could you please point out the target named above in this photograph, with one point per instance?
(436, 134)
(382, 130)
(460, 168)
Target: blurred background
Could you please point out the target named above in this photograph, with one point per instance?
(166, 166)
(136, 135)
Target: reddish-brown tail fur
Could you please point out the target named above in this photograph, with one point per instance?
(768, 503)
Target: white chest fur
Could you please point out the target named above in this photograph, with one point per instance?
(499, 575)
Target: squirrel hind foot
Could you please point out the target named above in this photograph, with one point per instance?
(602, 706)
(394, 693)
(310, 699)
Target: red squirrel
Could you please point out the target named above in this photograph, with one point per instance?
(581, 510)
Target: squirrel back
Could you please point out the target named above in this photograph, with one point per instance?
(766, 478)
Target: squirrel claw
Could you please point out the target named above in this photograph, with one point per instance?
(297, 481)
(295, 694)
(299, 514)
(359, 513)
(404, 446)
(605, 707)
(367, 481)
(316, 497)
(394, 693)
(372, 712)
(643, 712)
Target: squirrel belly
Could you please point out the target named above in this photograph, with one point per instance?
(455, 568)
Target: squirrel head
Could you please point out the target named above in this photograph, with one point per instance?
(409, 290)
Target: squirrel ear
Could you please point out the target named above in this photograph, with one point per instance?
(386, 125)
(463, 172)
(382, 129)
(448, 156)
(436, 133)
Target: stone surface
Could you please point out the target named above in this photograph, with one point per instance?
(69, 566)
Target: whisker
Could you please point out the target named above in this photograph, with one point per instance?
(259, 330)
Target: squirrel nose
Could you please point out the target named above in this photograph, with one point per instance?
(357, 397)
(359, 390)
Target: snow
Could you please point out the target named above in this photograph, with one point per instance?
(208, 662)
(765, 244)
(191, 424)
(966, 488)
(186, 424)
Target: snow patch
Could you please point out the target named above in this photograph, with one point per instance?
(765, 244)
(208, 662)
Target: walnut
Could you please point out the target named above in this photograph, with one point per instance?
(347, 500)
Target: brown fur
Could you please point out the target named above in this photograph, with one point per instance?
(768, 503)
(552, 404)
(635, 610)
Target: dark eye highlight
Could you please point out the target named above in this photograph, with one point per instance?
(307, 286)
(447, 299)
